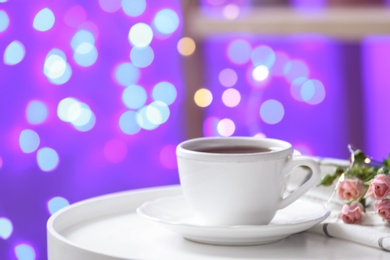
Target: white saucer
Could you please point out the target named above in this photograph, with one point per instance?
(174, 214)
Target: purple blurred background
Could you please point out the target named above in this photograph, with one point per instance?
(93, 100)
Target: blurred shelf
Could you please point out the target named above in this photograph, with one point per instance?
(350, 24)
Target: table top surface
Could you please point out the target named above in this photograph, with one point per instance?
(108, 227)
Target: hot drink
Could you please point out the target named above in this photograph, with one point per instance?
(234, 149)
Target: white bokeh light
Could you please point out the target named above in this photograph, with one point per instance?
(55, 64)
(69, 109)
(231, 97)
(163, 112)
(140, 35)
(144, 117)
(77, 113)
(260, 73)
(226, 127)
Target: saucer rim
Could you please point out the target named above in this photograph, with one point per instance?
(255, 228)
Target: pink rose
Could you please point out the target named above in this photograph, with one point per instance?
(352, 213)
(350, 189)
(379, 187)
(382, 207)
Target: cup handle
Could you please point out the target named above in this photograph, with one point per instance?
(307, 185)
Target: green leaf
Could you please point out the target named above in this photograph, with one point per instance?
(388, 161)
(327, 180)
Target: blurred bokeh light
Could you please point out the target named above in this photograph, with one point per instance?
(85, 106)
(93, 100)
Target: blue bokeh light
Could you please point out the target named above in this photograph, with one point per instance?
(263, 55)
(133, 8)
(6, 228)
(14, 53)
(313, 92)
(295, 69)
(29, 141)
(56, 203)
(164, 91)
(134, 96)
(142, 57)
(47, 159)
(296, 86)
(4, 21)
(127, 74)
(272, 111)
(128, 123)
(25, 252)
(44, 20)
(85, 54)
(166, 21)
(36, 112)
(239, 51)
(80, 37)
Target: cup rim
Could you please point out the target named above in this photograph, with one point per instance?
(187, 149)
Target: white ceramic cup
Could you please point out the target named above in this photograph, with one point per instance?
(241, 186)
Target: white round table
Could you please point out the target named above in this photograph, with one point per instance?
(107, 227)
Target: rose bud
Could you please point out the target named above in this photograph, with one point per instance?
(379, 187)
(352, 213)
(382, 207)
(350, 189)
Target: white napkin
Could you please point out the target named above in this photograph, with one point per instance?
(371, 232)
(377, 235)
